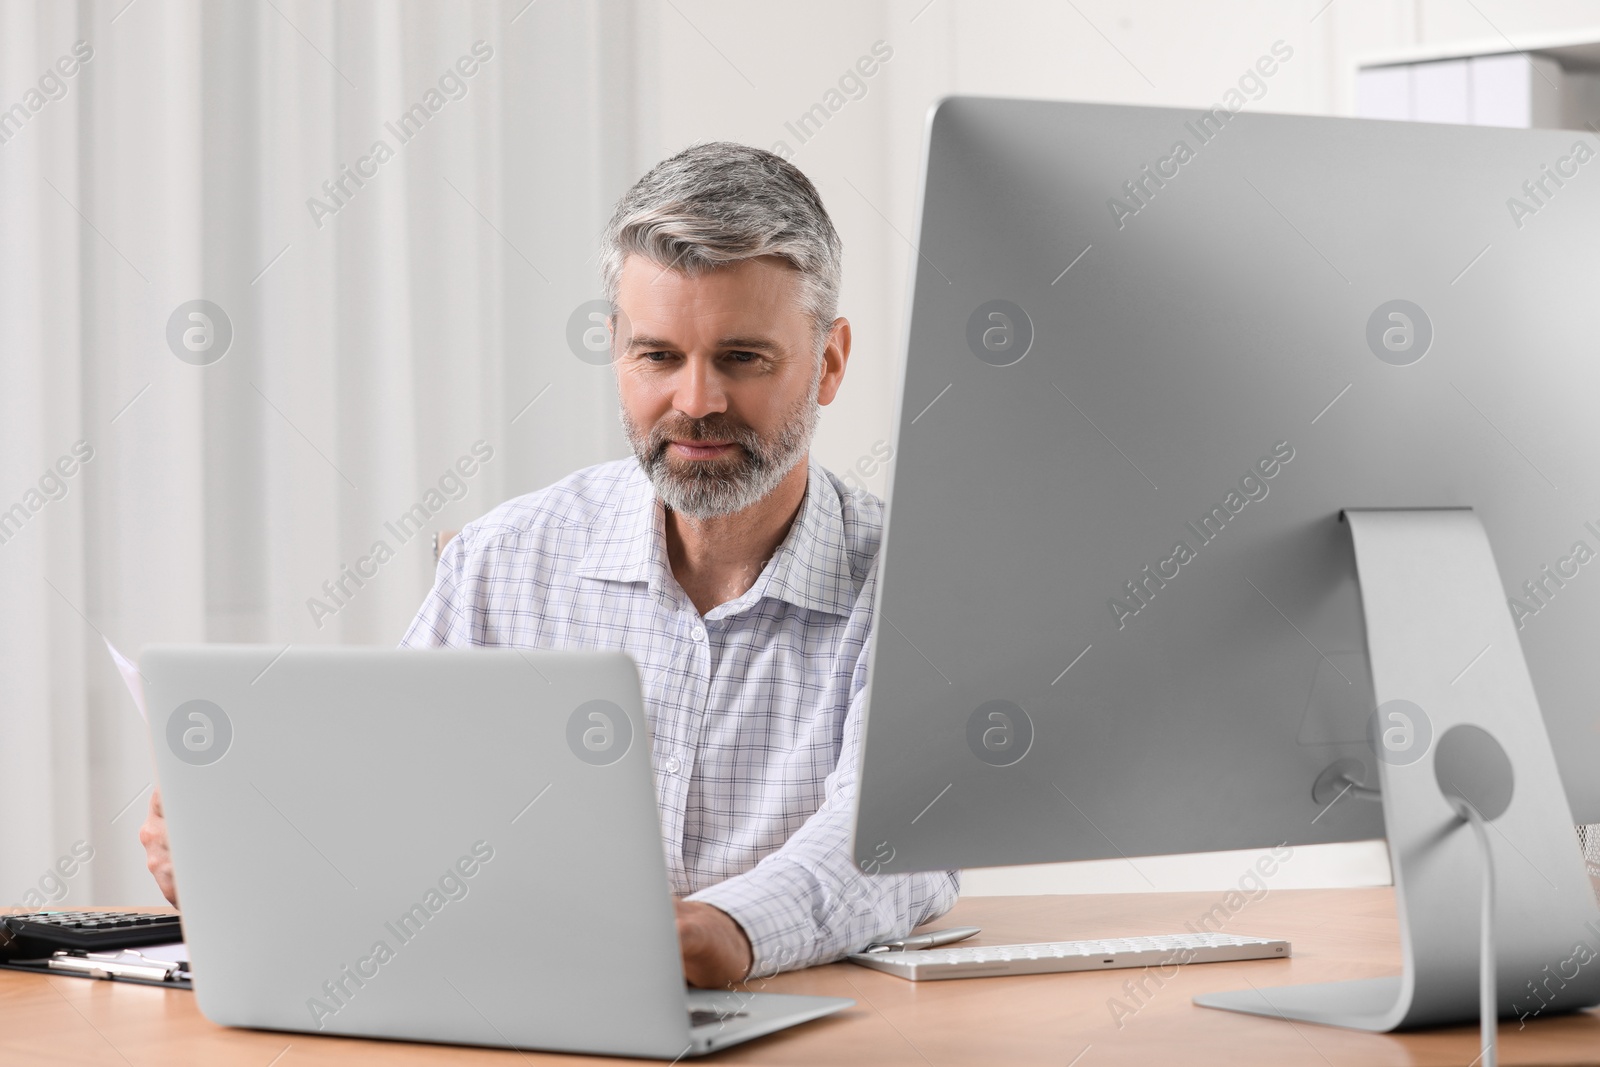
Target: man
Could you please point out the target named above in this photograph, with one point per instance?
(738, 574)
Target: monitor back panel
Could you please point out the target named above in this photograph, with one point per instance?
(1151, 355)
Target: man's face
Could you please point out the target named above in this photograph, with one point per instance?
(719, 379)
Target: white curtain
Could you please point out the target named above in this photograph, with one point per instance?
(380, 333)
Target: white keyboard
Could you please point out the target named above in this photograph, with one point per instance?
(1046, 957)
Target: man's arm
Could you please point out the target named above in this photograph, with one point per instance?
(808, 902)
(153, 836)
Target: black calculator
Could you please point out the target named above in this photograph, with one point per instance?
(37, 934)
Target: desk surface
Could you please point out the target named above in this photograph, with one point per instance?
(1039, 1019)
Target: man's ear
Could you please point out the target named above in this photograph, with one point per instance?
(835, 355)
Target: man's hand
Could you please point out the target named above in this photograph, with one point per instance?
(153, 836)
(716, 951)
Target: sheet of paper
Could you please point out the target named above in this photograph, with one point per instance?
(176, 952)
(130, 677)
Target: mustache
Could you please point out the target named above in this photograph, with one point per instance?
(711, 428)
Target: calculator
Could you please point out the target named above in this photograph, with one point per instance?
(37, 934)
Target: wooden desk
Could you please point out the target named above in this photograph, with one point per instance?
(1041, 1019)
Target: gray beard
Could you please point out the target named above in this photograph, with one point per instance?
(708, 489)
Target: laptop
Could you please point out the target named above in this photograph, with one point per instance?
(452, 845)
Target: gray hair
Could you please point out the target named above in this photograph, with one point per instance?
(717, 203)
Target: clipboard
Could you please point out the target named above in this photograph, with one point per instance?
(127, 965)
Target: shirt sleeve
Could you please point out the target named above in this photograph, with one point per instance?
(445, 618)
(807, 903)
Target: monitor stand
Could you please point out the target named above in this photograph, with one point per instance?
(1445, 655)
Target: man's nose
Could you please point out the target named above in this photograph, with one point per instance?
(698, 391)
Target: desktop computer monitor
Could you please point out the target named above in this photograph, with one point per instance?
(1178, 554)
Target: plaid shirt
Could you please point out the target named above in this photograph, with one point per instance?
(756, 708)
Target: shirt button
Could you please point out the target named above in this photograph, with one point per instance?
(670, 765)
(698, 633)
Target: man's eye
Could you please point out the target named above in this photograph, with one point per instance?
(657, 357)
(744, 357)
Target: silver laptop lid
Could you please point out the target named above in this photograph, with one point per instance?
(433, 845)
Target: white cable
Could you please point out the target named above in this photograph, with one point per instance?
(1488, 1013)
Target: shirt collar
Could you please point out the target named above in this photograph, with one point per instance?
(632, 545)
(810, 569)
